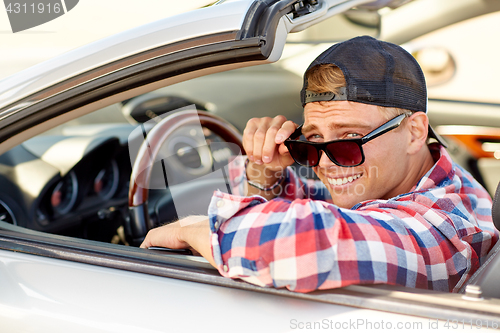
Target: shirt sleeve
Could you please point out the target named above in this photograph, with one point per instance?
(294, 186)
(307, 244)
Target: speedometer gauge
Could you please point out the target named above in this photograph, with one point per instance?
(106, 181)
(65, 193)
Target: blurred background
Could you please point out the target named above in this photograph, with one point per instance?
(459, 60)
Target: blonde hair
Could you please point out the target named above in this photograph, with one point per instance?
(324, 78)
(328, 77)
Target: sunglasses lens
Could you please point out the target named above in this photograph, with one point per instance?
(346, 153)
(304, 153)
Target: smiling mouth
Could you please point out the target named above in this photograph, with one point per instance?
(344, 180)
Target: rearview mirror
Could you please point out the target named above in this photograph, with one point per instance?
(354, 22)
(437, 63)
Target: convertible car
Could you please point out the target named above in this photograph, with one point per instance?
(101, 144)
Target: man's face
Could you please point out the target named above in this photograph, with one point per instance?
(386, 165)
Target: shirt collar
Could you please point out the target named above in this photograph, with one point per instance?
(441, 171)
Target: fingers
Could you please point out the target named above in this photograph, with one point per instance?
(285, 131)
(262, 137)
(146, 243)
(165, 236)
(264, 145)
(151, 239)
(248, 134)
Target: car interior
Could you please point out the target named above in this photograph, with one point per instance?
(74, 179)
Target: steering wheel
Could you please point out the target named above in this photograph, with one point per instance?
(140, 222)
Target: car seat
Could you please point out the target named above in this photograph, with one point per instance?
(484, 282)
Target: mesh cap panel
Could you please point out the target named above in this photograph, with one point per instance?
(376, 72)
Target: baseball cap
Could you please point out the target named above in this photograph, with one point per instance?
(376, 72)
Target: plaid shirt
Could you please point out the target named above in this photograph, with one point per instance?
(434, 237)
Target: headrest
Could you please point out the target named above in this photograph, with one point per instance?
(495, 210)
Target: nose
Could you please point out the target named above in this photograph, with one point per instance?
(325, 162)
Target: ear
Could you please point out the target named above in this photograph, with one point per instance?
(418, 125)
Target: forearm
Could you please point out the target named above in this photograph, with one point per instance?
(197, 235)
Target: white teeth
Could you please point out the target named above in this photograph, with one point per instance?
(342, 181)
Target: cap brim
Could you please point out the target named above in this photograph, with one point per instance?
(434, 135)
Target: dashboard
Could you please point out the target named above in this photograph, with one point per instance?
(76, 183)
(65, 183)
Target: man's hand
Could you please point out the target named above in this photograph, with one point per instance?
(263, 142)
(192, 231)
(165, 236)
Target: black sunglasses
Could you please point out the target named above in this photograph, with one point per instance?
(345, 152)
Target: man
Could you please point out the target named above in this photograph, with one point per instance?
(402, 212)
